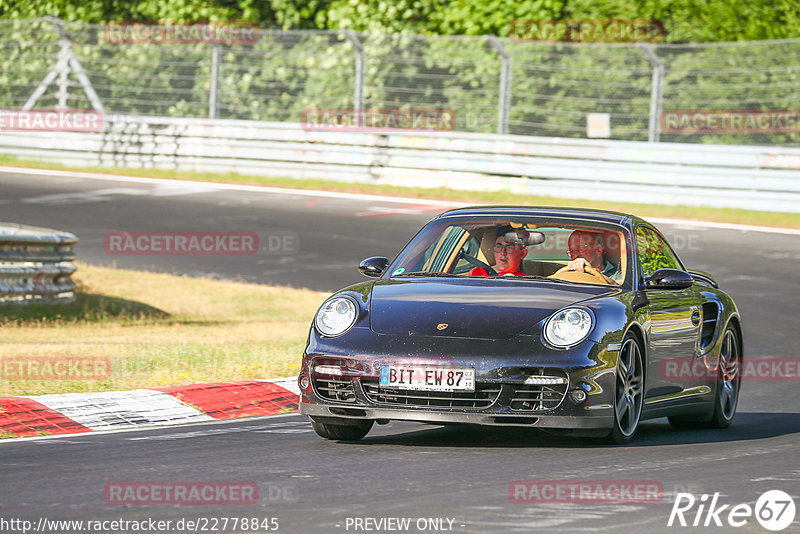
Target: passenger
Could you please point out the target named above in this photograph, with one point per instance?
(509, 249)
(586, 249)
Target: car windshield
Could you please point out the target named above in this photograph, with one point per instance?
(553, 248)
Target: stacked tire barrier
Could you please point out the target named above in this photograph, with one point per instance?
(36, 265)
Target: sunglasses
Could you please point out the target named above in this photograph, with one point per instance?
(506, 249)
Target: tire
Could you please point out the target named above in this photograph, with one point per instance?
(628, 391)
(345, 432)
(726, 395)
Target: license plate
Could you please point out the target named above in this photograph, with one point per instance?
(428, 378)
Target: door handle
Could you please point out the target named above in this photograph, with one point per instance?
(695, 318)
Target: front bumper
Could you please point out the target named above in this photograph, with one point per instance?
(548, 421)
(500, 373)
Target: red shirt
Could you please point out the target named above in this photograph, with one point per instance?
(480, 271)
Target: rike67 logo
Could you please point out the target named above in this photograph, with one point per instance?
(774, 510)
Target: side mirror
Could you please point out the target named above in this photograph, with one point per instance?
(373, 267)
(669, 279)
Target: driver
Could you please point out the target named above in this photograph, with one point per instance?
(509, 249)
(586, 250)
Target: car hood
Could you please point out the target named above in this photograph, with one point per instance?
(471, 308)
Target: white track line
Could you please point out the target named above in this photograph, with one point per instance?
(352, 196)
(725, 226)
(228, 187)
(83, 435)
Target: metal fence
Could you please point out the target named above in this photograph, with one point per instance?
(36, 265)
(493, 85)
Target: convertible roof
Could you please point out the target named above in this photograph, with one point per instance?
(606, 216)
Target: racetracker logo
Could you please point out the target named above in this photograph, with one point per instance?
(218, 32)
(376, 120)
(774, 510)
(50, 120)
(729, 121)
(762, 370)
(64, 368)
(200, 243)
(588, 31)
(586, 491)
(181, 493)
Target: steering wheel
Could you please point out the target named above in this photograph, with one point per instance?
(477, 263)
(587, 269)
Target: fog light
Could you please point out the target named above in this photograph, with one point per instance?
(544, 380)
(328, 370)
(577, 396)
(303, 382)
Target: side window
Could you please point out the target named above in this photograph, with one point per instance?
(654, 252)
(439, 252)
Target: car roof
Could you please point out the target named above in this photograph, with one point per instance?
(606, 216)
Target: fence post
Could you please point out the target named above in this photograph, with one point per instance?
(358, 97)
(67, 60)
(63, 78)
(213, 95)
(505, 84)
(656, 91)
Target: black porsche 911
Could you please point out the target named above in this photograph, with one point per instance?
(578, 322)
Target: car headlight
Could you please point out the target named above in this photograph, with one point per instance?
(336, 316)
(568, 327)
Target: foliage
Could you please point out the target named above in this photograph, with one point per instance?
(554, 85)
(684, 20)
(654, 253)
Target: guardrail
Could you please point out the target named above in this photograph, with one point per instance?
(36, 265)
(758, 178)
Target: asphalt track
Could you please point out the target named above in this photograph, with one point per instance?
(401, 470)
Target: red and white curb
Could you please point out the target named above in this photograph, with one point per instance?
(72, 413)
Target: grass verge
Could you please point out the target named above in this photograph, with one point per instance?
(159, 330)
(726, 215)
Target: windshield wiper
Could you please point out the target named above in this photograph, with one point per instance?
(560, 281)
(539, 277)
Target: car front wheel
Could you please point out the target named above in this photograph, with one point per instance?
(350, 431)
(628, 392)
